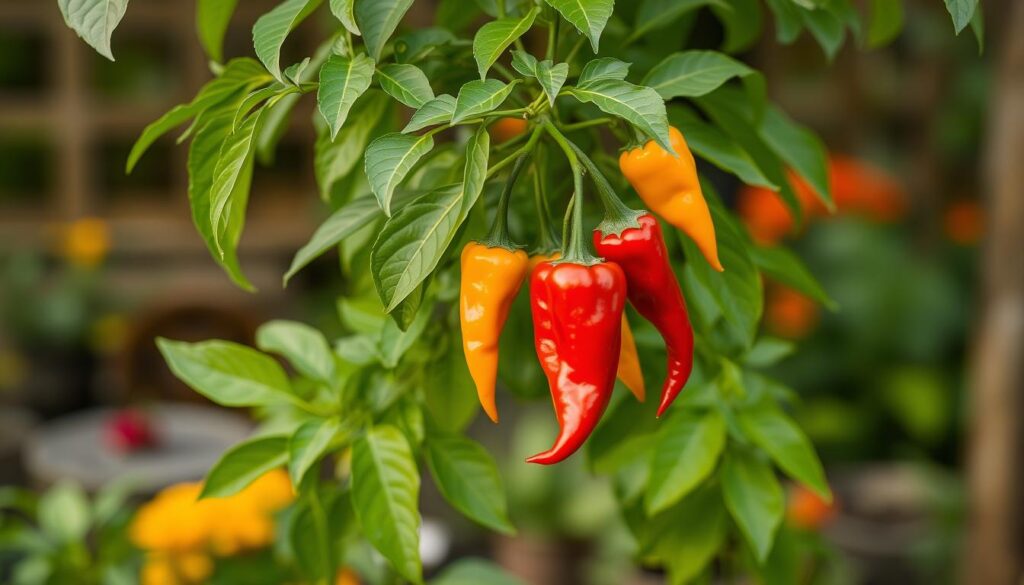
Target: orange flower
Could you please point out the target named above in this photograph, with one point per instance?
(964, 222)
(788, 313)
(507, 129)
(85, 242)
(806, 510)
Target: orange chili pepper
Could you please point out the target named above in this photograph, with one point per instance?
(668, 184)
(491, 277)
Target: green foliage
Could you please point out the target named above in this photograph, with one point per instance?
(392, 394)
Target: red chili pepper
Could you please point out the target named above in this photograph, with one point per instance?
(654, 291)
(577, 321)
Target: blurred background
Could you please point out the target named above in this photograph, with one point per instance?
(906, 387)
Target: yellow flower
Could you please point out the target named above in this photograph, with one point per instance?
(85, 242)
(176, 569)
(175, 521)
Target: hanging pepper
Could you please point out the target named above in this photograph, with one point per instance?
(491, 277)
(629, 371)
(577, 319)
(577, 305)
(493, 270)
(668, 184)
(654, 292)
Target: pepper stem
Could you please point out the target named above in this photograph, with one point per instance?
(574, 247)
(618, 216)
(548, 239)
(498, 236)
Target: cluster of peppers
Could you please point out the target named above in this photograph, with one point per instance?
(582, 338)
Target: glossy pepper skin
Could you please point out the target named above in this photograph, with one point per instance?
(577, 321)
(491, 277)
(654, 292)
(629, 371)
(669, 186)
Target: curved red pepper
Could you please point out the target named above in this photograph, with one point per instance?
(655, 293)
(577, 323)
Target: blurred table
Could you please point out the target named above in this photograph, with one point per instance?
(192, 438)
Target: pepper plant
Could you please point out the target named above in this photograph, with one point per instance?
(413, 167)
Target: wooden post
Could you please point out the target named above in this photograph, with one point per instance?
(995, 547)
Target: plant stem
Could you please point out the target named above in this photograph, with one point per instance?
(588, 124)
(575, 49)
(498, 236)
(574, 247)
(548, 238)
(525, 149)
(617, 215)
(322, 534)
(552, 35)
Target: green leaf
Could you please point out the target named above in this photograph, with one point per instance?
(344, 222)
(412, 243)
(389, 159)
(717, 147)
(788, 446)
(768, 351)
(886, 21)
(243, 464)
(588, 16)
(239, 76)
(785, 267)
(601, 69)
(94, 21)
(468, 479)
(801, 149)
(394, 341)
(232, 177)
(385, 495)
(694, 73)
(378, 20)
(827, 28)
(227, 373)
(551, 78)
(64, 513)
(689, 445)
(437, 111)
(657, 14)
(737, 292)
(978, 26)
(203, 156)
(271, 29)
(448, 389)
(754, 499)
(344, 10)
(474, 572)
(788, 23)
(342, 81)
(742, 20)
(960, 10)
(686, 537)
(494, 37)
(212, 20)
(479, 97)
(305, 347)
(640, 106)
(406, 83)
(524, 63)
(334, 159)
(308, 444)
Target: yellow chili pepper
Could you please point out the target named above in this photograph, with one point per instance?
(669, 186)
(491, 277)
(629, 372)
